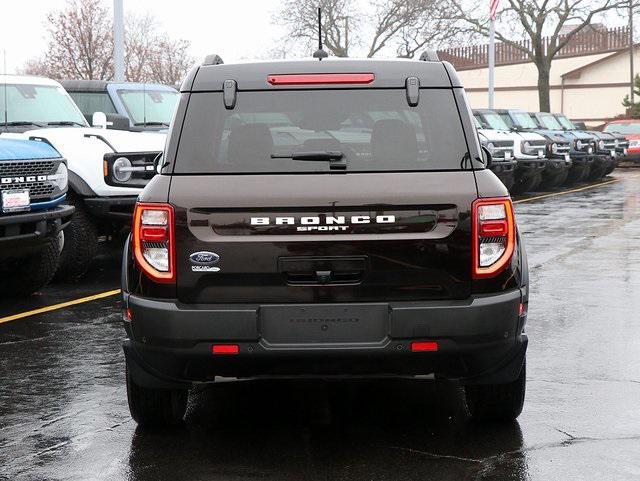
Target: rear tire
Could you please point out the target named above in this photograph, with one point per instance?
(80, 243)
(497, 402)
(22, 277)
(156, 408)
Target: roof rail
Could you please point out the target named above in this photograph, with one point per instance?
(429, 55)
(212, 59)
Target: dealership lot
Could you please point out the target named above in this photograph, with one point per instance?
(63, 412)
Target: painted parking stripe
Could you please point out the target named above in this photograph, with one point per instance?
(62, 305)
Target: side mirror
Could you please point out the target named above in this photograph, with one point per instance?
(488, 157)
(157, 163)
(99, 120)
(118, 122)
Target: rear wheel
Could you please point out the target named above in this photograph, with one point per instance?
(24, 276)
(497, 402)
(80, 243)
(156, 408)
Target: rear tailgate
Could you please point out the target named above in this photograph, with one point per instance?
(323, 237)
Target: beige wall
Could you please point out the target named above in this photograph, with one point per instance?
(516, 86)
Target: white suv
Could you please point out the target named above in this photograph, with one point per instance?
(39, 108)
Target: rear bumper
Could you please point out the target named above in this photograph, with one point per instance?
(114, 208)
(480, 340)
(20, 233)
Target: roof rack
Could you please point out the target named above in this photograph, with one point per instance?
(429, 55)
(212, 59)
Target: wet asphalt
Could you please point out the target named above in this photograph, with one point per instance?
(64, 416)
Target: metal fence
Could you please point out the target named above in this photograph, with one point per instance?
(587, 42)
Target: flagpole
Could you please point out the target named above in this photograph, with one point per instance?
(492, 34)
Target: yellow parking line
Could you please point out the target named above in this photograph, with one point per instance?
(62, 305)
(579, 189)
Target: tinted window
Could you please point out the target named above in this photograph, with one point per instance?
(376, 130)
(38, 103)
(90, 102)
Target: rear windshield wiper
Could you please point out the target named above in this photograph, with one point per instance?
(335, 158)
(151, 124)
(66, 122)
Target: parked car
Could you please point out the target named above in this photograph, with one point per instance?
(127, 105)
(283, 244)
(529, 150)
(559, 162)
(40, 108)
(501, 147)
(581, 145)
(630, 129)
(603, 156)
(33, 184)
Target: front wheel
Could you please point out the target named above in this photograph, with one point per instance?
(23, 276)
(156, 408)
(497, 402)
(80, 243)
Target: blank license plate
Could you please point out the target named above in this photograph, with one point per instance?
(15, 201)
(283, 324)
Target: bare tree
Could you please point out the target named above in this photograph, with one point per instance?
(401, 26)
(80, 43)
(532, 20)
(81, 47)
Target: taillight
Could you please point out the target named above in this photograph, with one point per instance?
(153, 241)
(494, 233)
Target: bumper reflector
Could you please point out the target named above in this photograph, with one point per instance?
(225, 349)
(424, 346)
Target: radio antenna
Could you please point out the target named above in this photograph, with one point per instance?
(320, 54)
(4, 70)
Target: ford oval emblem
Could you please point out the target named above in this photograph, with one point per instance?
(204, 258)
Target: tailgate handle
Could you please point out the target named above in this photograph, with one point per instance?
(323, 271)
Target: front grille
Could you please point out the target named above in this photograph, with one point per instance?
(563, 148)
(30, 167)
(537, 143)
(38, 190)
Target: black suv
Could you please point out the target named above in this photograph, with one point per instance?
(323, 219)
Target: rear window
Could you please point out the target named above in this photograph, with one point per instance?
(376, 130)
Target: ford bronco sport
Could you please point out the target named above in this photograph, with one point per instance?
(322, 219)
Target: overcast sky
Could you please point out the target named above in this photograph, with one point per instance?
(234, 29)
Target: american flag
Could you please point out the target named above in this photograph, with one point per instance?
(493, 8)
